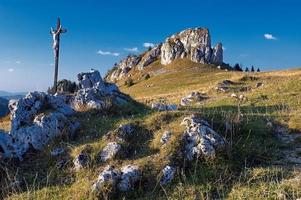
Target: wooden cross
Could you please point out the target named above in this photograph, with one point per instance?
(56, 49)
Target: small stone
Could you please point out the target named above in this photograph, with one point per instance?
(81, 161)
(165, 137)
(168, 174)
(57, 151)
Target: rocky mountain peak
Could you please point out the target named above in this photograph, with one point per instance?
(191, 43)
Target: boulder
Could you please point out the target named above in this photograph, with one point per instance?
(130, 174)
(200, 139)
(110, 151)
(195, 43)
(95, 93)
(168, 174)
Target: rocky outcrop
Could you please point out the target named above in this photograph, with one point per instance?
(124, 67)
(200, 139)
(217, 54)
(35, 120)
(95, 93)
(194, 44)
(39, 117)
(149, 57)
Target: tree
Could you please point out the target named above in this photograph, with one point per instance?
(252, 69)
(237, 67)
(258, 70)
(247, 69)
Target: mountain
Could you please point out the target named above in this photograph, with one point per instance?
(196, 130)
(193, 44)
(3, 106)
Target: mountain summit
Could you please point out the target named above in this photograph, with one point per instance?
(193, 44)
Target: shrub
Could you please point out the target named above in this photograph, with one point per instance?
(129, 82)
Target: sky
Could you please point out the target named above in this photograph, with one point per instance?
(263, 33)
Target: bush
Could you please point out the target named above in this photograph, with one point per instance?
(146, 76)
(129, 82)
(64, 86)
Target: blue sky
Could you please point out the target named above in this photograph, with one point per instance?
(254, 32)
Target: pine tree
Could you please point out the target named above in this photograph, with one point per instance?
(258, 70)
(237, 67)
(247, 69)
(252, 69)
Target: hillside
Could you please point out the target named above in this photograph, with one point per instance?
(262, 130)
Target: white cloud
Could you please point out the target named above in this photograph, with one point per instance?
(134, 49)
(269, 36)
(105, 53)
(11, 70)
(18, 62)
(148, 44)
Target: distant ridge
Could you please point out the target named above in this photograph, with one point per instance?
(11, 95)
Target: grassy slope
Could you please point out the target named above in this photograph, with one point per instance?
(244, 172)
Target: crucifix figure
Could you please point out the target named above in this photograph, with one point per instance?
(56, 49)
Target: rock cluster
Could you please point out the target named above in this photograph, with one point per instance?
(123, 179)
(35, 120)
(95, 93)
(194, 44)
(200, 139)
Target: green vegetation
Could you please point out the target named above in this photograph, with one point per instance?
(249, 168)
